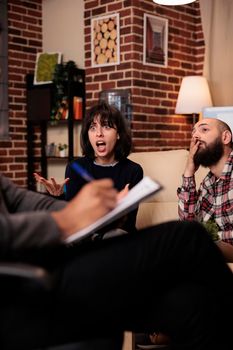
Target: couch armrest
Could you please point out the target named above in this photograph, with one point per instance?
(25, 273)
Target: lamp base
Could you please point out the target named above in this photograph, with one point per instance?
(195, 118)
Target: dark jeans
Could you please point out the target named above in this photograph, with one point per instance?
(170, 278)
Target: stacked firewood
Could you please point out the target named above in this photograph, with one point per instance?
(105, 41)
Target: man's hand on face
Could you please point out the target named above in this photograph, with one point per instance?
(191, 168)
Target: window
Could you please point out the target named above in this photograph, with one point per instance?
(4, 124)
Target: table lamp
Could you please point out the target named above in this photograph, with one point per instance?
(193, 96)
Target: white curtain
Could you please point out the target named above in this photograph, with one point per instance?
(217, 21)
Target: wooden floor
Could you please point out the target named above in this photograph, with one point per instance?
(231, 266)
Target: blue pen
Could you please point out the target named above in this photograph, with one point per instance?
(81, 171)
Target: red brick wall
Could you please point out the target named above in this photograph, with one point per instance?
(154, 89)
(24, 41)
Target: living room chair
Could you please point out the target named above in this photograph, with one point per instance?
(26, 280)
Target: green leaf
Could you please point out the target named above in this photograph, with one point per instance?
(212, 228)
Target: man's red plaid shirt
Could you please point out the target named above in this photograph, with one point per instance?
(213, 200)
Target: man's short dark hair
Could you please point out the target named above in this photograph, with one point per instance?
(114, 118)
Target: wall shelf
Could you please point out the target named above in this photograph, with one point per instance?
(40, 103)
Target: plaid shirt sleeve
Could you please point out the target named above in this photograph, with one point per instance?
(226, 236)
(187, 199)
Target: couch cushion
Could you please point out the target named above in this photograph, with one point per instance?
(167, 168)
(155, 213)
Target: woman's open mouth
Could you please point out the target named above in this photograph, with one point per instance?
(101, 146)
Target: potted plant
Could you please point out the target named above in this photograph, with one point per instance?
(63, 72)
(212, 229)
(62, 149)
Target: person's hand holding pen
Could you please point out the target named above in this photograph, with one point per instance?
(54, 188)
(123, 192)
(92, 202)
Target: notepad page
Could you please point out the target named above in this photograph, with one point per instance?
(145, 188)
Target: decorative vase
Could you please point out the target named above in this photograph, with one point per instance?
(62, 153)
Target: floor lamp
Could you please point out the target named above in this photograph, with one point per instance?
(193, 96)
(173, 2)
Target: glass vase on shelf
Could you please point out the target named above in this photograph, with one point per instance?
(50, 150)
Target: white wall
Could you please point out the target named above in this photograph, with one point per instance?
(63, 29)
(217, 19)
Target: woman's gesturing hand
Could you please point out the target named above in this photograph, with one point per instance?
(54, 188)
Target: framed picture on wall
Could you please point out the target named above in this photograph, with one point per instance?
(155, 41)
(45, 65)
(105, 41)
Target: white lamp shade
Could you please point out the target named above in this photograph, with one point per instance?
(193, 96)
(173, 2)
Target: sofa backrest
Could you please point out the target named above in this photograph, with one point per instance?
(167, 168)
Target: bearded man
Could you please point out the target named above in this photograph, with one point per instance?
(211, 146)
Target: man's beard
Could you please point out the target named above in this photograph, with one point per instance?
(209, 155)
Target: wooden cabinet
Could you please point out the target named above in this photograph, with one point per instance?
(51, 122)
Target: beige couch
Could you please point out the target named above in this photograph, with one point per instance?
(167, 168)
